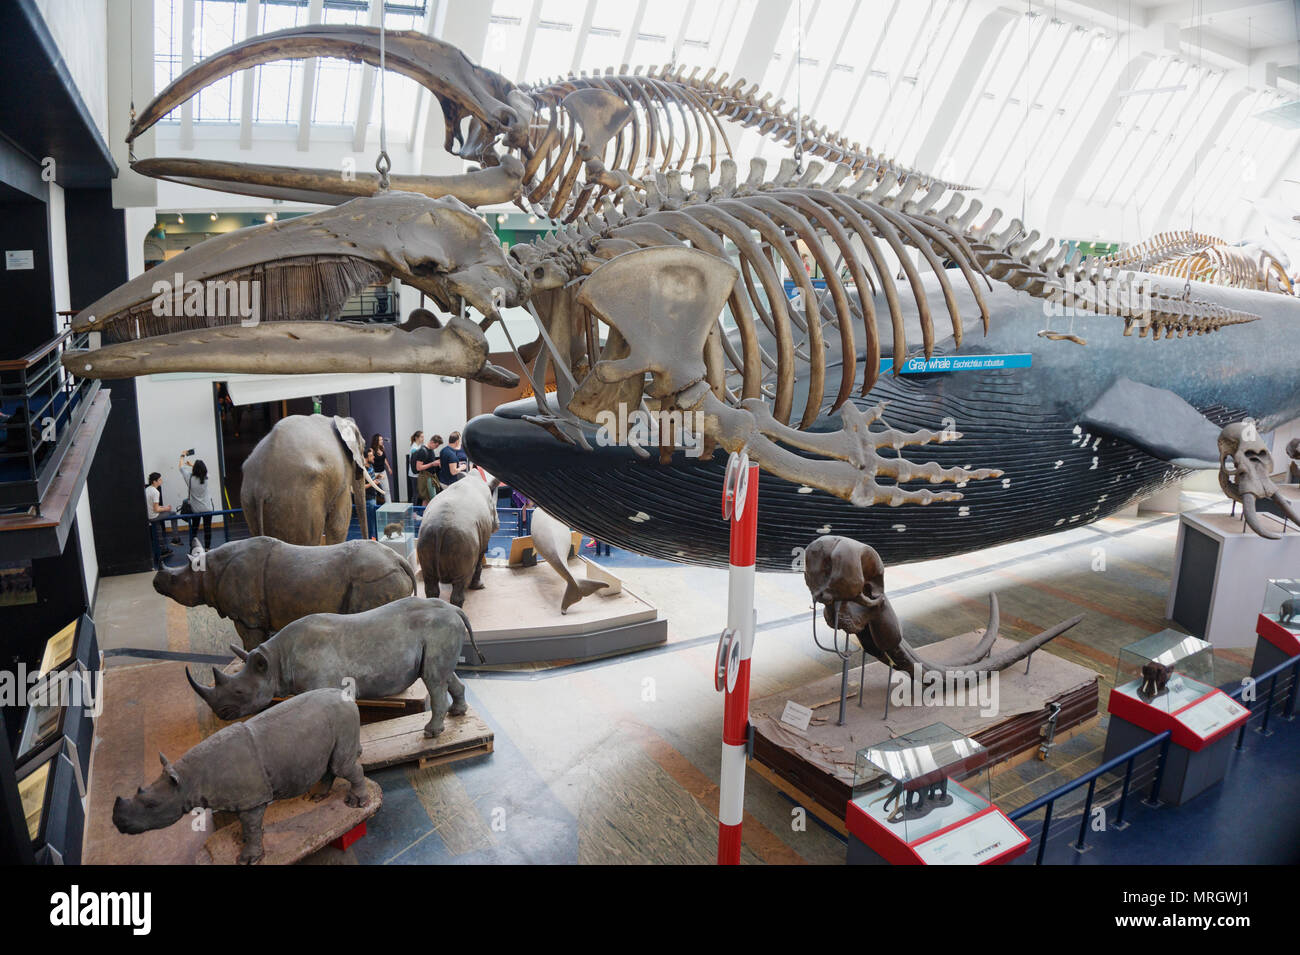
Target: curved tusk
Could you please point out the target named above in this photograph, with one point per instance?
(1284, 506)
(1252, 518)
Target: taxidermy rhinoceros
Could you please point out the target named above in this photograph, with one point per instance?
(374, 654)
(244, 767)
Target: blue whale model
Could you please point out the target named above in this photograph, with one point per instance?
(1079, 434)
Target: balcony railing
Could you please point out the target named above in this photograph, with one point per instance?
(43, 405)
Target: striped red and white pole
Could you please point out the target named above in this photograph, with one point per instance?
(740, 509)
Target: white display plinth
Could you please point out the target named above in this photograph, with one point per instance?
(1220, 572)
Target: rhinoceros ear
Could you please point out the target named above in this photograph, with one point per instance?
(170, 770)
(257, 660)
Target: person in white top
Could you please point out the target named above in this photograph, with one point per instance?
(157, 513)
(198, 502)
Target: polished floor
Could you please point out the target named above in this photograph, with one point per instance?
(616, 760)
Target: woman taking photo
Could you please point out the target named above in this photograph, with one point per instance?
(198, 506)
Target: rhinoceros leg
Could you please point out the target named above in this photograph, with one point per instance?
(436, 681)
(321, 790)
(476, 582)
(251, 822)
(457, 689)
(356, 796)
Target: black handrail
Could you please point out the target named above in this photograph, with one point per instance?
(1047, 801)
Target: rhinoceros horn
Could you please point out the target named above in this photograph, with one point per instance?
(204, 692)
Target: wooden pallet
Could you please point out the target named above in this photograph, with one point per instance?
(402, 740)
(294, 828)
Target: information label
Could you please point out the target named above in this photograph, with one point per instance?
(984, 838)
(796, 715)
(17, 259)
(1211, 715)
(943, 363)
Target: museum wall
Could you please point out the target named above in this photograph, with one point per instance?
(176, 414)
(80, 29)
(86, 539)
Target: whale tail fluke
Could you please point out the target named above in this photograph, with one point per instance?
(577, 589)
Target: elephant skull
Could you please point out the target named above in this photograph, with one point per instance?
(1245, 474)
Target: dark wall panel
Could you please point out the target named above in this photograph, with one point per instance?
(27, 293)
(97, 264)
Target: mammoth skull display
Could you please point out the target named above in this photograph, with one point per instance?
(1245, 474)
(849, 578)
(1155, 676)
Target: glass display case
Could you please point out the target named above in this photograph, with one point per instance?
(1277, 627)
(926, 798)
(64, 699)
(1167, 670)
(397, 526)
(1282, 603)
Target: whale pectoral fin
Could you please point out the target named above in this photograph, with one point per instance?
(1156, 421)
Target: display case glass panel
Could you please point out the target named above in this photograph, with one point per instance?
(45, 714)
(32, 792)
(1282, 603)
(398, 526)
(59, 648)
(917, 785)
(1167, 670)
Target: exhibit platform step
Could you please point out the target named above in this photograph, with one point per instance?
(517, 617)
(402, 740)
(295, 828)
(817, 764)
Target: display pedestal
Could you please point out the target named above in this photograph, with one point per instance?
(1220, 574)
(1275, 644)
(295, 828)
(973, 833)
(815, 764)
(1201, 729)
(517, 619)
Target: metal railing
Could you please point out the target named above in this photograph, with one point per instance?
(43, 405)
(229, 525)
(1047, 801)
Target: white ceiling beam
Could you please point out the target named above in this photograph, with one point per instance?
(530, 36)
(248, 77)
(865, 66)
(367, 100)
(632, 32)
(580, 42)
(849, 21)
(315, 14)
(760, 40)
(431, 24)
(187, 60)
(465, 26)
(680, 38)
(1186, 12)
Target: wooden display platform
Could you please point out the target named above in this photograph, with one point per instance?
(516, 616)
(402, 740)
(818, 763)
(294, 828)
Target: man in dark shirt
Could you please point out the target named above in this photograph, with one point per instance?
(454, 461)
(426, 465)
